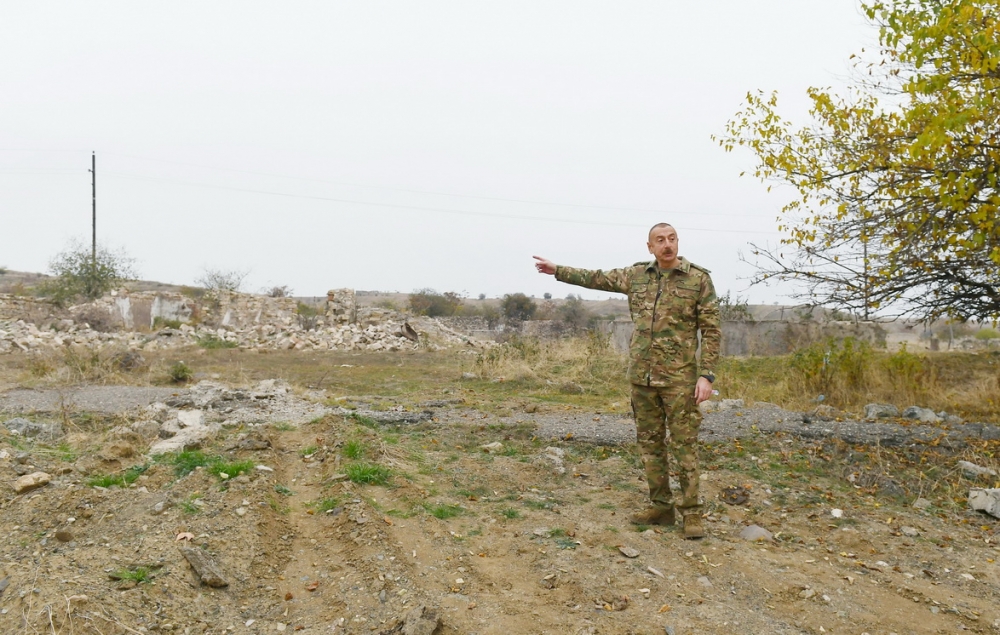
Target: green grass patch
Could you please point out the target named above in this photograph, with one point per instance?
(188, 461)
(361, 419)
(510, 513)
(135, 574)
(124, 479)
(308, 450)
(284, 491)
(210, 341)
(354, 449)
(324, 505)
(444, 511)
(189, 505)
(230, 469)
(284, 426)
(368, 473)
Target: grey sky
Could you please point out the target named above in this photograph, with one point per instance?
(247, 135)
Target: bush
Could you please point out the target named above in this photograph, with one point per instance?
(284, 291)
(180, 373)
(210, 341)
(78, 274)
(987, 334)
(834, 366)
(433, 304)
(216, 280)
(164, 323)
(573, 313)
(517, 307)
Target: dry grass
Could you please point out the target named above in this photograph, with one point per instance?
(582, 371)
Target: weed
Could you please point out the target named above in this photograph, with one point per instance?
(308, 450)
(180, 372)
(327, 504)
(125, 479)
(363, 420)
(284, 491)
(135, 574)
(210, 341)
(190, 504)
(277, 507)
(510, 513)
(354, 449)
(443, 511)
(606, 506)
(368, 474)
(231, 469)
(566, 543)
(164, 323)
(185, 462)
(284, 426)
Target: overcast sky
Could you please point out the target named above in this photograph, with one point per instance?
(398, 145)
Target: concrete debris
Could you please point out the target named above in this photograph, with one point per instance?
(985, 500)
(924, 415)
(972, 470)
(390, 334)
(208, 572)
(921, 503)
(31, 481)
(755, 533)
(418, 621)
(554, 456)
(881, 411)
(24, 427)
(723, 404)
(629, 552)
(909, 532)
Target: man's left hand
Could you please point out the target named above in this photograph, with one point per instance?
(702, 390)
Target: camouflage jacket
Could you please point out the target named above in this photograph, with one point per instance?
(668, 308)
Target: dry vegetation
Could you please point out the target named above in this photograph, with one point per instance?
(497, 540)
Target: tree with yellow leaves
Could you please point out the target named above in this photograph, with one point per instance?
(896, 203)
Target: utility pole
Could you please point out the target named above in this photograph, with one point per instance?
(93, 194)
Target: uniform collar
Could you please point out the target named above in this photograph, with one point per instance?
(684, 266)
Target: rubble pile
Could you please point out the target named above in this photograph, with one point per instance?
(388, 335)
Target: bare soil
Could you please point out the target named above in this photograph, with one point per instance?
(522, 538)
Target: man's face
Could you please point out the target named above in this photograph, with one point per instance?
(663, 245)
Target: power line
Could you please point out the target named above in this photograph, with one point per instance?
(617, 208)
(413, 207)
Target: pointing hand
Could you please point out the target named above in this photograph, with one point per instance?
(545, 266)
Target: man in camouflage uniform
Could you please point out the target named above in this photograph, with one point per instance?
(671, 300)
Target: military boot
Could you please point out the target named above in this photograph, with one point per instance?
(654, 516)
(692, 526)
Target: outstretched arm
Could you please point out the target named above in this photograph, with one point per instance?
(614, 280)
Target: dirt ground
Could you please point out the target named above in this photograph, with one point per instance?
(528, 536)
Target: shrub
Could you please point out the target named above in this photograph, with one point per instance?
(834, 365)
(79, 273)
(368, 474)
(431, 303)
(180, 372)
(222, 280)
(517, 307)
(573, 314)
(164, 323)
(210, 341)
(284, 291)
(987, 334)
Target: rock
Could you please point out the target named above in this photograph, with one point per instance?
(208, 572)
(555, 456)
(974, 471)
(129, 361)
(418, 621)
(571, 388)
(837, 513)
(31, 481)
(806, 593)
(64, 535)
(492, 448)
(924, 415)
(755, 533)
(985, 500)
(27, 428)
(469, 376)
(629, 552)
(921, 503)
(825, 413)
(909, 532)
(880, 411)
(705, 582)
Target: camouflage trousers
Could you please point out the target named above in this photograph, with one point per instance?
(656, 410)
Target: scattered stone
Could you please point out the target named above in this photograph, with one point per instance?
(129, 361)
(735, 495)
(837, 513)
(705, 582)
(492, 448)
(755, 533)
(208, 572)
(974, 471)
(880, 411)
(571, 388)
(807, 593)
(921, 503)
(629, 552)
(909, 532)
(64, 535)
(924, 415)
(4, 583)
(253, 444)
(985, 500)
(31, 481)
(722, 404)
(555, 456)
(22, 426)
(469, 376)
(418, 621)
